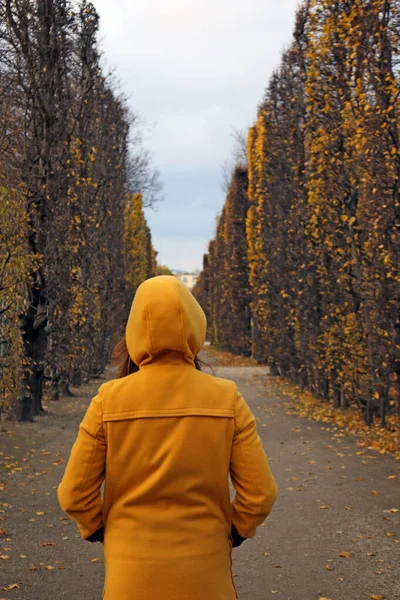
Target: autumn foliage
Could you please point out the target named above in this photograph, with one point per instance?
(72, 227)
(222, 287)
(139, 253)
(323, 222)
(16, 265)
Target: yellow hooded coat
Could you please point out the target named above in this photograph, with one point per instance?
(165, 439)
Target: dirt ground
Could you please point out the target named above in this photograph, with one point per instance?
(333, 534)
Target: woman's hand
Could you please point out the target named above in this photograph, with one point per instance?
(237, 539)
(97, 536)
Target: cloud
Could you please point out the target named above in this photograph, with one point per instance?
(197, 69)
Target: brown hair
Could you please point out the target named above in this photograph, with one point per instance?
(122, 360)
(126, 366)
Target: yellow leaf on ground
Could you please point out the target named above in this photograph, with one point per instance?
(12, 586)
(345, 554)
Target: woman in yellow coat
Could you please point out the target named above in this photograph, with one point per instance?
(165, 439)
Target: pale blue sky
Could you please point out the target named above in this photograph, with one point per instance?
(196, 70)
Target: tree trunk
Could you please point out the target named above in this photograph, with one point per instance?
(344, 402)
(34, 334)
(325, 392)
(336, 397)
(273, 370)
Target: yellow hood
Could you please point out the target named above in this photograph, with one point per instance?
(164, 317)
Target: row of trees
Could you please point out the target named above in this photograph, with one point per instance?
(323, 213)
(222, 287)
(74, 178)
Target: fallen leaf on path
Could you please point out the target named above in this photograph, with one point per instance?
(345, 554)
(95, 560)
(377, 597)
(48, 544)
(13, 586)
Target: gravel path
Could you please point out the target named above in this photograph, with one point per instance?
(331, 534)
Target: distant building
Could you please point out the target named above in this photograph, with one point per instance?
(189, 279)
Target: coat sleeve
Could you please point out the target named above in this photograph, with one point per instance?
(255, 486)
(79, 491)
